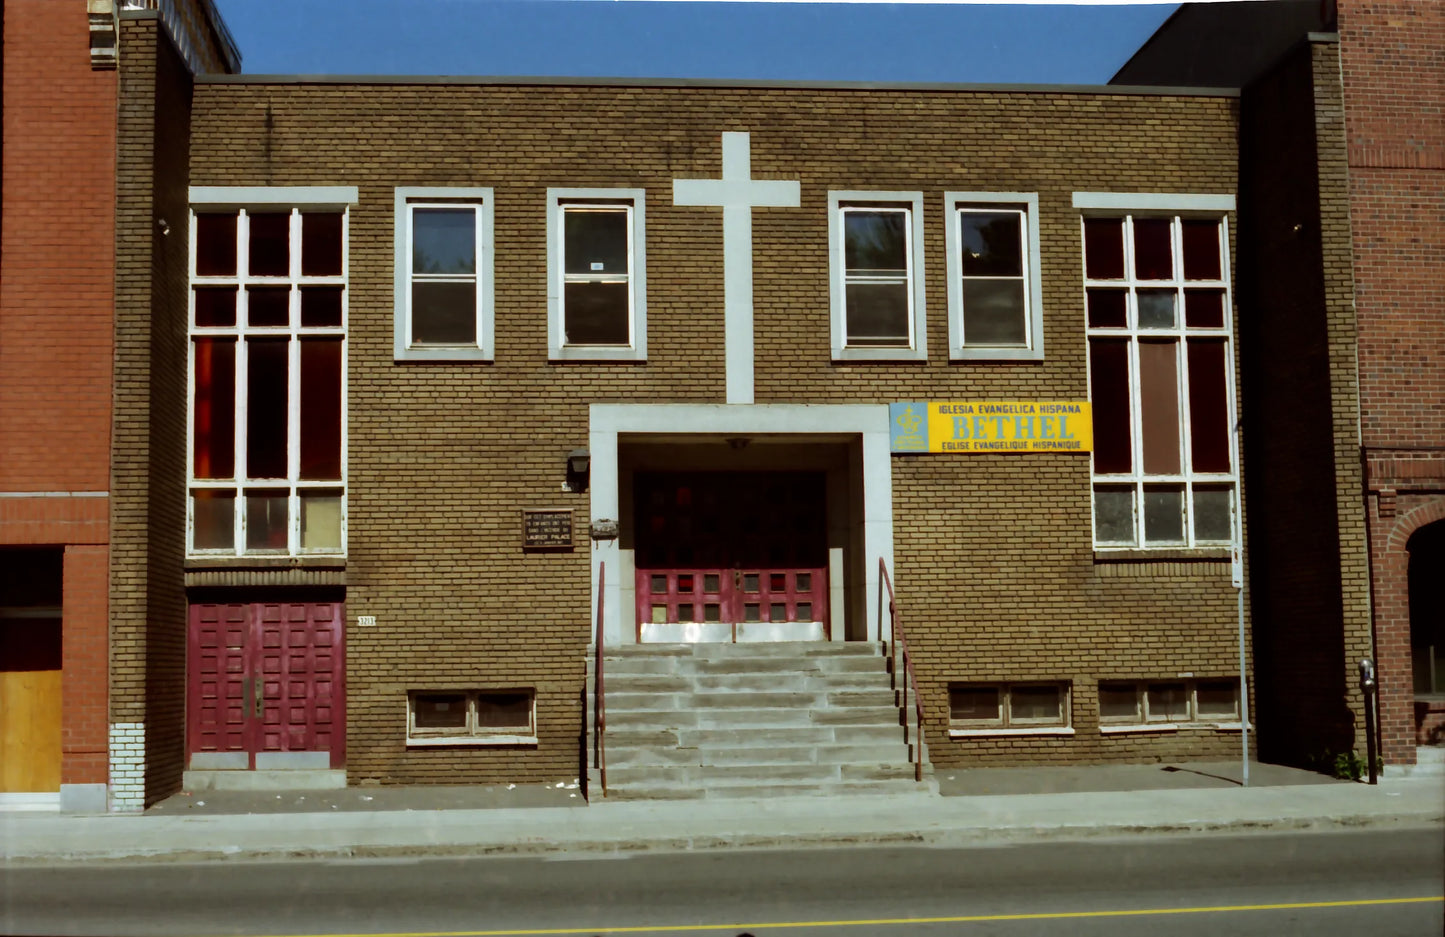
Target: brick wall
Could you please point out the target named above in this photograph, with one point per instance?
(994, 558)
(148, 609)
(1393, 63)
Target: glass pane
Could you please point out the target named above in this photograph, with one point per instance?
(1208, 406)
(752, 611)
(266, 407)
(1036, 704)
(1108, 309)
(1216, 699)
(270, 254)
(321, 408)
(1153, 255)
(215, 306)
(875, 241)
(321, 306)
(710, 582)
(805, 611)
(659, 614)
(213, 516)
(505, 711)
(1118, 702)
(213, 413)
(1163, 515)
(1167, 702)
(321, 244)
(992, 244)
(595, 240)
(597, 313)
(877, 313)
(684, 612)
(993, 312)
(216, 245)
(1156, 309)
(658, 584)
(1204, 309)
(777, 611)
(1114, 515)
(777, 582)
(444, 240)
(443, 313)
(440, 710)
(974, 703)
(266, 522)
(750, 582)
(1213, 510)
(1159, 406)
(1201, 250)
(1104, 248)
(711, 612)
(803, 582)
(1109, 391)
(685, 582)
(268, 306)
(321, 521)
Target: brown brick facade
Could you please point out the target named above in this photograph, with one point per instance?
(994, 559)
(56, 277)
(1393, 65)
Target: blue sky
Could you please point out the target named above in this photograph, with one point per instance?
(927, 42)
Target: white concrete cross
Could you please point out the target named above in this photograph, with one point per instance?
(737, 193)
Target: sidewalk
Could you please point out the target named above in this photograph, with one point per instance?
(554, 822)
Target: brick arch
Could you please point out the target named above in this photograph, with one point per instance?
(1390, 583)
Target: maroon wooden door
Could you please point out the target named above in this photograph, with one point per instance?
(267, 677)
(731, 547)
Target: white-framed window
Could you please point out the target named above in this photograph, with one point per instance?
(1165, 705)
(1032, 708)
(1161, 379)
(875, 259)
(471, 717)
(596, 275)
(444, 258)
(266, 428)
(995, 300)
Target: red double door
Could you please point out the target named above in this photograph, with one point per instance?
(266, 677)
(731, 547)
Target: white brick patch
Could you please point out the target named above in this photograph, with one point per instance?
(127, 767)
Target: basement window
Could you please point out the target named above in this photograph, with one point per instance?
(1167, 705)
(1008, 709)
(471, 717)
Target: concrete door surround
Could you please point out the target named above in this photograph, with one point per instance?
(868, 423)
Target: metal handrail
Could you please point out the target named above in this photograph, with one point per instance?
(911, 679)
(598, 707)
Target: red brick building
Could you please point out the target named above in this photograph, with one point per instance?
(57, 282)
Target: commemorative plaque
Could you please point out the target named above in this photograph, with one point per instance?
(547, 529)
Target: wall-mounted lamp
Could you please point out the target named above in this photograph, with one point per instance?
(579, 466)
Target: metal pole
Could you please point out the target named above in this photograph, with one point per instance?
(1367, 690)
(1238, 574)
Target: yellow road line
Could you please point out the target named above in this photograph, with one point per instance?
(882, 922)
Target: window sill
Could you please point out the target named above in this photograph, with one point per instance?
(1131, 729)
(599, 353)
(264, 561)
(1134, 554)
(473, 741)
(847, 355)
(1033, 730)
(458, 353)
(995, 354)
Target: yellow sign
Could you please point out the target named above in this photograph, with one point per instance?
(991, 426)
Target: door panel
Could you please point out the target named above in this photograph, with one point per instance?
(267, 677)
(30, 705)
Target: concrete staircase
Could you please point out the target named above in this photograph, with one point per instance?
(750, 720)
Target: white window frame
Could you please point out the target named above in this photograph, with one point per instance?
(1027, 204)
(1005, 724)
(295, 200)
(472, 734)
(1144, 721)
(480, 199)
(1177, 208)
(636, 201)
(911, 202)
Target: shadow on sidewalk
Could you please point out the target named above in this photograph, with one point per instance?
(1078, 779)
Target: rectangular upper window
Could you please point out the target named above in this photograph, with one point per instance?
(471, 717)
(994, 297)
(596, 294)
(267, 401)
(875, 249)
(443, 270)
(1161, 379)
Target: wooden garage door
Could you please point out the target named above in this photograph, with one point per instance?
(267, 677)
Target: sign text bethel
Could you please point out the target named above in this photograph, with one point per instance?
(991, 426)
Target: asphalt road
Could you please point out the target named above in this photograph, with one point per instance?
(1272, 885)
